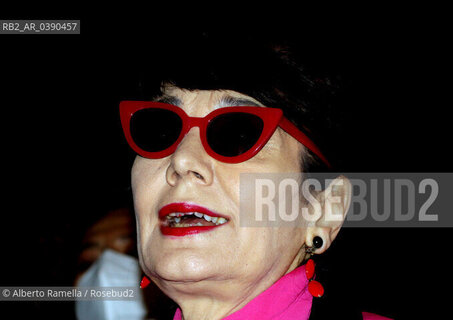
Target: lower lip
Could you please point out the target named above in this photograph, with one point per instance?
(185, 231)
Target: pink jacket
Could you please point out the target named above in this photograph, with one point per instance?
(287, 299)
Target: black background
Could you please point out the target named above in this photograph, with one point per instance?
(63, 152)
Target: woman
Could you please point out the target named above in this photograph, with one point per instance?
(186, 180)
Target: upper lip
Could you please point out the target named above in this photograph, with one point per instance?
(187, 207)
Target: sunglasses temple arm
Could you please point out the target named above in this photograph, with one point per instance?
(295, 132)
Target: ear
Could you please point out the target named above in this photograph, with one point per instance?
(330, 213)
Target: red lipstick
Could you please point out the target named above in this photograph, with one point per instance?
(182, 219)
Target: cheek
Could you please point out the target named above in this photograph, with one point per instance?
(148, 183)
(227, 180)
(262, 249)
(282, 153)
(148, 180)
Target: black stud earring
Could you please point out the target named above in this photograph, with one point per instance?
(317, 243)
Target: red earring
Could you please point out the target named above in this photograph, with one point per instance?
(145, 282)
(314, 287)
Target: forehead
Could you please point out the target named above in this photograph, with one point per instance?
(201, 102)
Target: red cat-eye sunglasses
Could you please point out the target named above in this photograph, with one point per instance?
(230, 134)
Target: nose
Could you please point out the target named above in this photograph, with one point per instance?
(190, 161)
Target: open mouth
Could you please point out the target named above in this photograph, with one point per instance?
(180, 219)
(192, 219)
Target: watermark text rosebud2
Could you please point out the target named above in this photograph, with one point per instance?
(296, 190)
(373, 199)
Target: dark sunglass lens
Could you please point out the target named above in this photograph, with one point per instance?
(232, 134)
(155, 130)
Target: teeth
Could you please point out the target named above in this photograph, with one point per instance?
(176, 218)
(179, 214)
(183, 225)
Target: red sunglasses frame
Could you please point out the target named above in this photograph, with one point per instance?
(271, 117)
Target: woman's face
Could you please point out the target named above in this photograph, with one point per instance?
(229, 252)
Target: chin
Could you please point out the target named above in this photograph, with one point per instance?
(184, 267)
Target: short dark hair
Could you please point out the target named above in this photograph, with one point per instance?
(266, 69)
